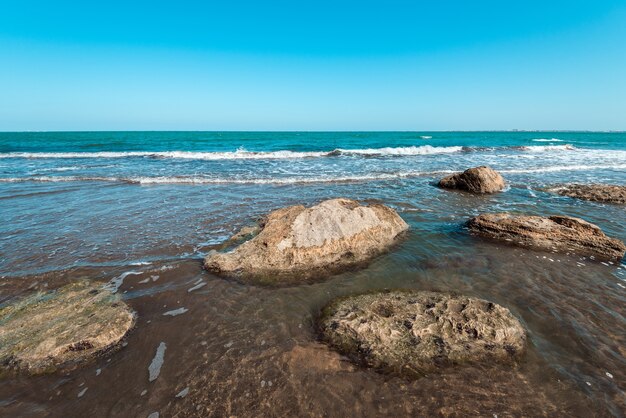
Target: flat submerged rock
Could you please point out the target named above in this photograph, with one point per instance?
(297, 243)
(71, 324)
(594, 192)
(555, 233)
(412, 333)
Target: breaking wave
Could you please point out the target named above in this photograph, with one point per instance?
(218, 180)
(242, 154)
(141, 180)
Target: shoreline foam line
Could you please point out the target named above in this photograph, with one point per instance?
(293, 180)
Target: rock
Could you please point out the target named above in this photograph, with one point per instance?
(246, 232)
(45, 331)
(412, 333)
(594, 192)
(560, 233)
(475, 180)
(298, 243)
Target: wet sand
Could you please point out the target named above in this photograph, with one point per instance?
(240, 350)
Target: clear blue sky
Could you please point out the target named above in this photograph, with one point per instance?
(312, 65)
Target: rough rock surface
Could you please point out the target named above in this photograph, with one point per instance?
(475, 180)
(560, 233)
(297, 243)
(412, 333)
(594, 192)
(71, 324)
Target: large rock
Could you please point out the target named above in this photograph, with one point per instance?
(412, 333)
(297, 243)
(475, 180)
(594, 192)
(62, 327)
(560, 233)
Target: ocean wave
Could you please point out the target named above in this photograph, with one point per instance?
(547, 140)
(398, 151)
(544, 148)
(426, 137)
(146, 180)
(213, 180)
(242, 154)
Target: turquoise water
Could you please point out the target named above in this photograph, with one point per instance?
(65, 181)
(139, 205)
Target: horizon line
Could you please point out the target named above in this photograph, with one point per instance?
(321, 131)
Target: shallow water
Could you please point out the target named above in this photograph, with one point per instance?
(143, 222)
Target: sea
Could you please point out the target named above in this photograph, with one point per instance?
(141, 209)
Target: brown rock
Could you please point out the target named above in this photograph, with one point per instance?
(69, 325)
(594, 192)
(298, 243)
(411, 333)
(475, 180)
(561, 233)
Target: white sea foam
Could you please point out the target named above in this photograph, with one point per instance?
(547, 140)
(242, 154)
(238, 154)
(226, 180)
(56, 179)
(544, 148)
(421, 150)
(426, 137)
(115, 283)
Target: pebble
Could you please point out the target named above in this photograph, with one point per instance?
(609, 375)
(98, 372)
(82, 392)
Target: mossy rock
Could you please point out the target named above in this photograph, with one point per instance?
(412, 333)
(45, 331)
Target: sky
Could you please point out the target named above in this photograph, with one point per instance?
(312, 65)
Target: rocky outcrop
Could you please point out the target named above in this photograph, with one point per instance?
(412, 333)
(475, 180)
(560, 233)
(298, 243)
(62, 327)
(595, 192)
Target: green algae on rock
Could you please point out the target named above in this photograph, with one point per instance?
(412, 333)
(45, 331)
(298, 243)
